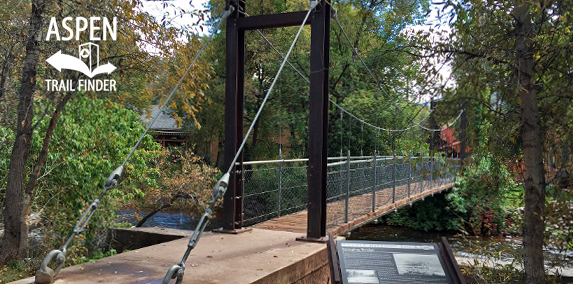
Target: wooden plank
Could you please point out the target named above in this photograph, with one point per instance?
(297, 222)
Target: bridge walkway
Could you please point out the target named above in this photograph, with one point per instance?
(360, 215)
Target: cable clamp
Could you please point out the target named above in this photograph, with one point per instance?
(228, 12)
(312, 4)
(333, 12)
(45, 274)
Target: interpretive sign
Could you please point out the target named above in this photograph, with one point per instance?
(390, 262)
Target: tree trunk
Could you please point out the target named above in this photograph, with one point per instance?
(32, 181)
(534, 179)
(7, 69)
(15, 242)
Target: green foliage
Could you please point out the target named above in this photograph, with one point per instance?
(16, 270)
(375, 27)
(476, 205)
(92, 138)
(479, 196)
(99, 255)
(6, 141)
(183, 181)
(15, 264)
(430, 215)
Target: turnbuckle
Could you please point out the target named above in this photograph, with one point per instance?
(45, 274)
(178, 270)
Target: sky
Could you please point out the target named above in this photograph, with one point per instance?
(158, 10)
(445, 69)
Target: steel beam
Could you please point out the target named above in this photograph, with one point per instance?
(318, 121)
(234, 97)
(272, 21)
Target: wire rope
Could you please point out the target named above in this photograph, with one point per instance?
(312, 5)
(379, 86)
(343, 109)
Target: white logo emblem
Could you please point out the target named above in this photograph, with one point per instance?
(86, 61)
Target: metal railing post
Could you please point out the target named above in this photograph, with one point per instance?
(347, 187)
(394, 179)
(375, 183)
(422, 175)
(432, 173)
(409, 177)
(341, 183)
(280, 192)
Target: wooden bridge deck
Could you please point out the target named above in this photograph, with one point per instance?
(361, 214)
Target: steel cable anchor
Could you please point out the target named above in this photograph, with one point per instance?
(45, 274)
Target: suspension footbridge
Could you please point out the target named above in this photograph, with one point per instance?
(269, 204)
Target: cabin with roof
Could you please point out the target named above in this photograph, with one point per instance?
(164, 130)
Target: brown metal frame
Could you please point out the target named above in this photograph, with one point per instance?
(451, 262)
(237, 23)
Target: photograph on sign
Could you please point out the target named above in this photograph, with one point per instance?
(362, 276)
(418, 264)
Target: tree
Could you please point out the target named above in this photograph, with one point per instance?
(135, 64)
(375, 26)
(93, 135)
(534, 182)
(509, 58)
(17, 200)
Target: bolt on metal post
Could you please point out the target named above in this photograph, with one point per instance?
(279, 198)
(421, 175)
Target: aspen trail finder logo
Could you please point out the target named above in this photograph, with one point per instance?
(87, 62)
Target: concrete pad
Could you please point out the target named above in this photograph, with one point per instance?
(258, 256)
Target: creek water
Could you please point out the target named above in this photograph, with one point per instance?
(173, 220)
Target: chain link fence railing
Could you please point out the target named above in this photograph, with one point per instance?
(355, 185)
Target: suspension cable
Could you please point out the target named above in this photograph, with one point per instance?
(349, 113)
(312, 6)
(46, 274)
(379, 86)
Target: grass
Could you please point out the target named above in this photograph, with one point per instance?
(16, 270)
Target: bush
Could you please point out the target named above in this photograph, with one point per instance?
(476, 205)
(479, 197)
